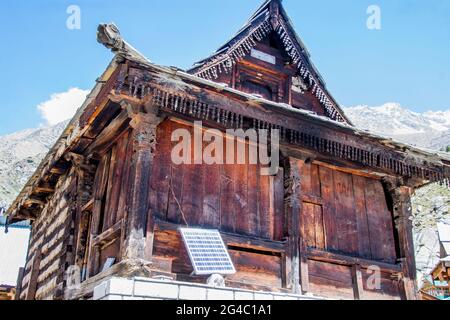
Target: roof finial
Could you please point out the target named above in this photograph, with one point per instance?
(108, 34)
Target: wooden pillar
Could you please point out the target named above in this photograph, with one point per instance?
(34, 274)
(93, 264)
(85, 173)
(139, 229)
(401, 197)
(19, 283)
(297, 261)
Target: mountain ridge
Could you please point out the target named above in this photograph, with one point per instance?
(430, 129)
(20, 154)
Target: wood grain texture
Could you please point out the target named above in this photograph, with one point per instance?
(232, 197)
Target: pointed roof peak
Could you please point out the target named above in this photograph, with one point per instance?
(270, 18)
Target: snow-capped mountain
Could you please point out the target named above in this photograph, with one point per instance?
(428, 130)
(20, 154)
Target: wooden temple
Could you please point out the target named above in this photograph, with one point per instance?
(107, 200)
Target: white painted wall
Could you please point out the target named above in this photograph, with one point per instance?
(140, 288)
(13, 250)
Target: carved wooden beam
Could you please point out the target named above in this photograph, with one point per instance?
(139, 239)
(30, 201)
(45, 188)
(109, 235)
(109, 135)
(334, 258)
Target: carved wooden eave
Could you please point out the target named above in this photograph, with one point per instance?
(132, 83)
(183, 95)
(42, 183)
(271, 17)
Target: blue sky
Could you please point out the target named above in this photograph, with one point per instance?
(407, 61)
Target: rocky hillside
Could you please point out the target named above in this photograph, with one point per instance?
(21, 152)
(430, 205)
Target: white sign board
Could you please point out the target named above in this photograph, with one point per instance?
(263, 56)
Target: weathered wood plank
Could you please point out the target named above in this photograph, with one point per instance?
(402, 211)
(387, 223)
(19, 288)
(293, 209)
(345, 210)
(192, 200)
(375, 213)
(211, 196)
(108, 235)
(107, 219)
(252, 196)
(161, 171)
(109, 135)
(100, 187)
(308, 225)
(174, 211)
(123, 198)
(35, 270)
(265, 214)
(256, 268)
(329, 209)
(359, 186)
(320, 255)
(278, 198)
(241, 196)
(227, 195)
(116, 182)
(232, 239)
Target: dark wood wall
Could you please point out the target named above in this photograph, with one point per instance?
(340, 213)
(49, 247)
(346, 213)
(346, 216)
(345, 222)
(111, 197)
(235, 199)
(231, 198)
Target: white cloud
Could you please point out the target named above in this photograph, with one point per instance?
(62, 106)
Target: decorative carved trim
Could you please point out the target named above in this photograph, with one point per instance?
(140, 223)
(274, 22)
(196, 109)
